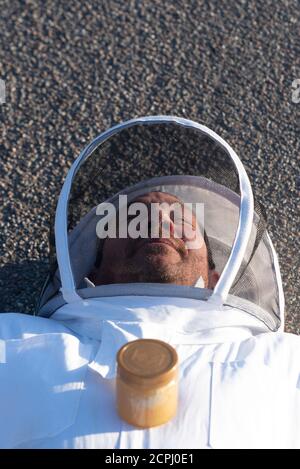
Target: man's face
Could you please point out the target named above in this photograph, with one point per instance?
(158, 259)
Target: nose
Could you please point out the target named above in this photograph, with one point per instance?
(161, 226)
(167, 226)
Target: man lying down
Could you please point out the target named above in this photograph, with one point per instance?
(239, 383)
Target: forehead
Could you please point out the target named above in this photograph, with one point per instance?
(163, 197)
(157, 196)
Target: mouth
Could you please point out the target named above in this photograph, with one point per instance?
(159, 241)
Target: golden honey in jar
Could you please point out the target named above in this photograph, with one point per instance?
(147, 382)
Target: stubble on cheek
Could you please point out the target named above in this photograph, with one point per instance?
(157, 268)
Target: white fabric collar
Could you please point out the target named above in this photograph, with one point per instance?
(185, 315)
(115, 321)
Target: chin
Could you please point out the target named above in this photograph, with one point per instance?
(159, 262)
(161, 271)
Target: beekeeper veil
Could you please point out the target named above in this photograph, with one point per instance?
(185, 159)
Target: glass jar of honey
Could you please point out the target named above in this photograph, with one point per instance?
(147, 382)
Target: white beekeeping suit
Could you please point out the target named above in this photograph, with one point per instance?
(239, 381)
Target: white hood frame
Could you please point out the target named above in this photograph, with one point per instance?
(243, 233)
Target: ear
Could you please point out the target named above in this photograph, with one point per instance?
(213, 278)
(93, 275)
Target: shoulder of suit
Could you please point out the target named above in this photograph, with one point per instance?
(20, 325)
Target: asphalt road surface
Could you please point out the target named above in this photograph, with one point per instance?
(73, 69)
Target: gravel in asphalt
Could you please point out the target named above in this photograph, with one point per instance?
(73, 69)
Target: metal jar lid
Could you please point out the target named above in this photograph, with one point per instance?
(147, 363)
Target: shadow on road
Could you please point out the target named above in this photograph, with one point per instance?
(20, 285)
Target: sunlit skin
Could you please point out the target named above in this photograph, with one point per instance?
(128, 260)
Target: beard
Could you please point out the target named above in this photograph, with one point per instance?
(153, 272)
(155, 268)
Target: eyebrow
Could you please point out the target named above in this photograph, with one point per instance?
(194, 222)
